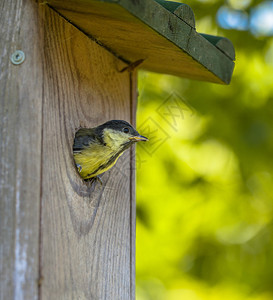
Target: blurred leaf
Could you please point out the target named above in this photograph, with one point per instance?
(204, 189)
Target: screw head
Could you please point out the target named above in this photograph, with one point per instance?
(17, 57)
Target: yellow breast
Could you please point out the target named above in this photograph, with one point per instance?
(93, 158)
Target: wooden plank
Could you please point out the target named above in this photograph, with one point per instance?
(144, 29)
(20, 150)
(87, 235)
(222, 44)
(134, 96)
(181, 10)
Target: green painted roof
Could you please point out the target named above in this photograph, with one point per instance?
(158, 35)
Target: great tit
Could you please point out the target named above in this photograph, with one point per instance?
(97, 149)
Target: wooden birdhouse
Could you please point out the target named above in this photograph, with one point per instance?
(65, 65)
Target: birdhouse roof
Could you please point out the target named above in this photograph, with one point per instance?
(155, 35)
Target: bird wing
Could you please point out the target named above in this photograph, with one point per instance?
(83, 138)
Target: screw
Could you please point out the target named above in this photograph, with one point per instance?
(17, 57)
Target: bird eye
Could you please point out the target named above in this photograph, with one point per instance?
(126, 130)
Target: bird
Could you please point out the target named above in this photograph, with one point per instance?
(97, 149)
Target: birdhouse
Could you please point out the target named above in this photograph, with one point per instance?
(71, 64)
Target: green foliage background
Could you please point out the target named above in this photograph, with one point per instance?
(205, 181)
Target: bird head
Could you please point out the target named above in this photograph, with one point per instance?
(119, 134)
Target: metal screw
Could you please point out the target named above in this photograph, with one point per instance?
(17, 57)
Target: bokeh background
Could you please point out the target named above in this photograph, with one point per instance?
(205, 179)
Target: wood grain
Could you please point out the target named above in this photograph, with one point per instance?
(222, 44)
(87, 232)
(20, 150)
(144, 29)
(181, 10)
(134, 97)
(79, 242)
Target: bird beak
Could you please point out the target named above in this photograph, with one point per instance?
(138, 138)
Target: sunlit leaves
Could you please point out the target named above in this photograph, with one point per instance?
(204, 195)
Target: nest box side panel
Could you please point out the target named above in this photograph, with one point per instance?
(87, 231)
(21, 92)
